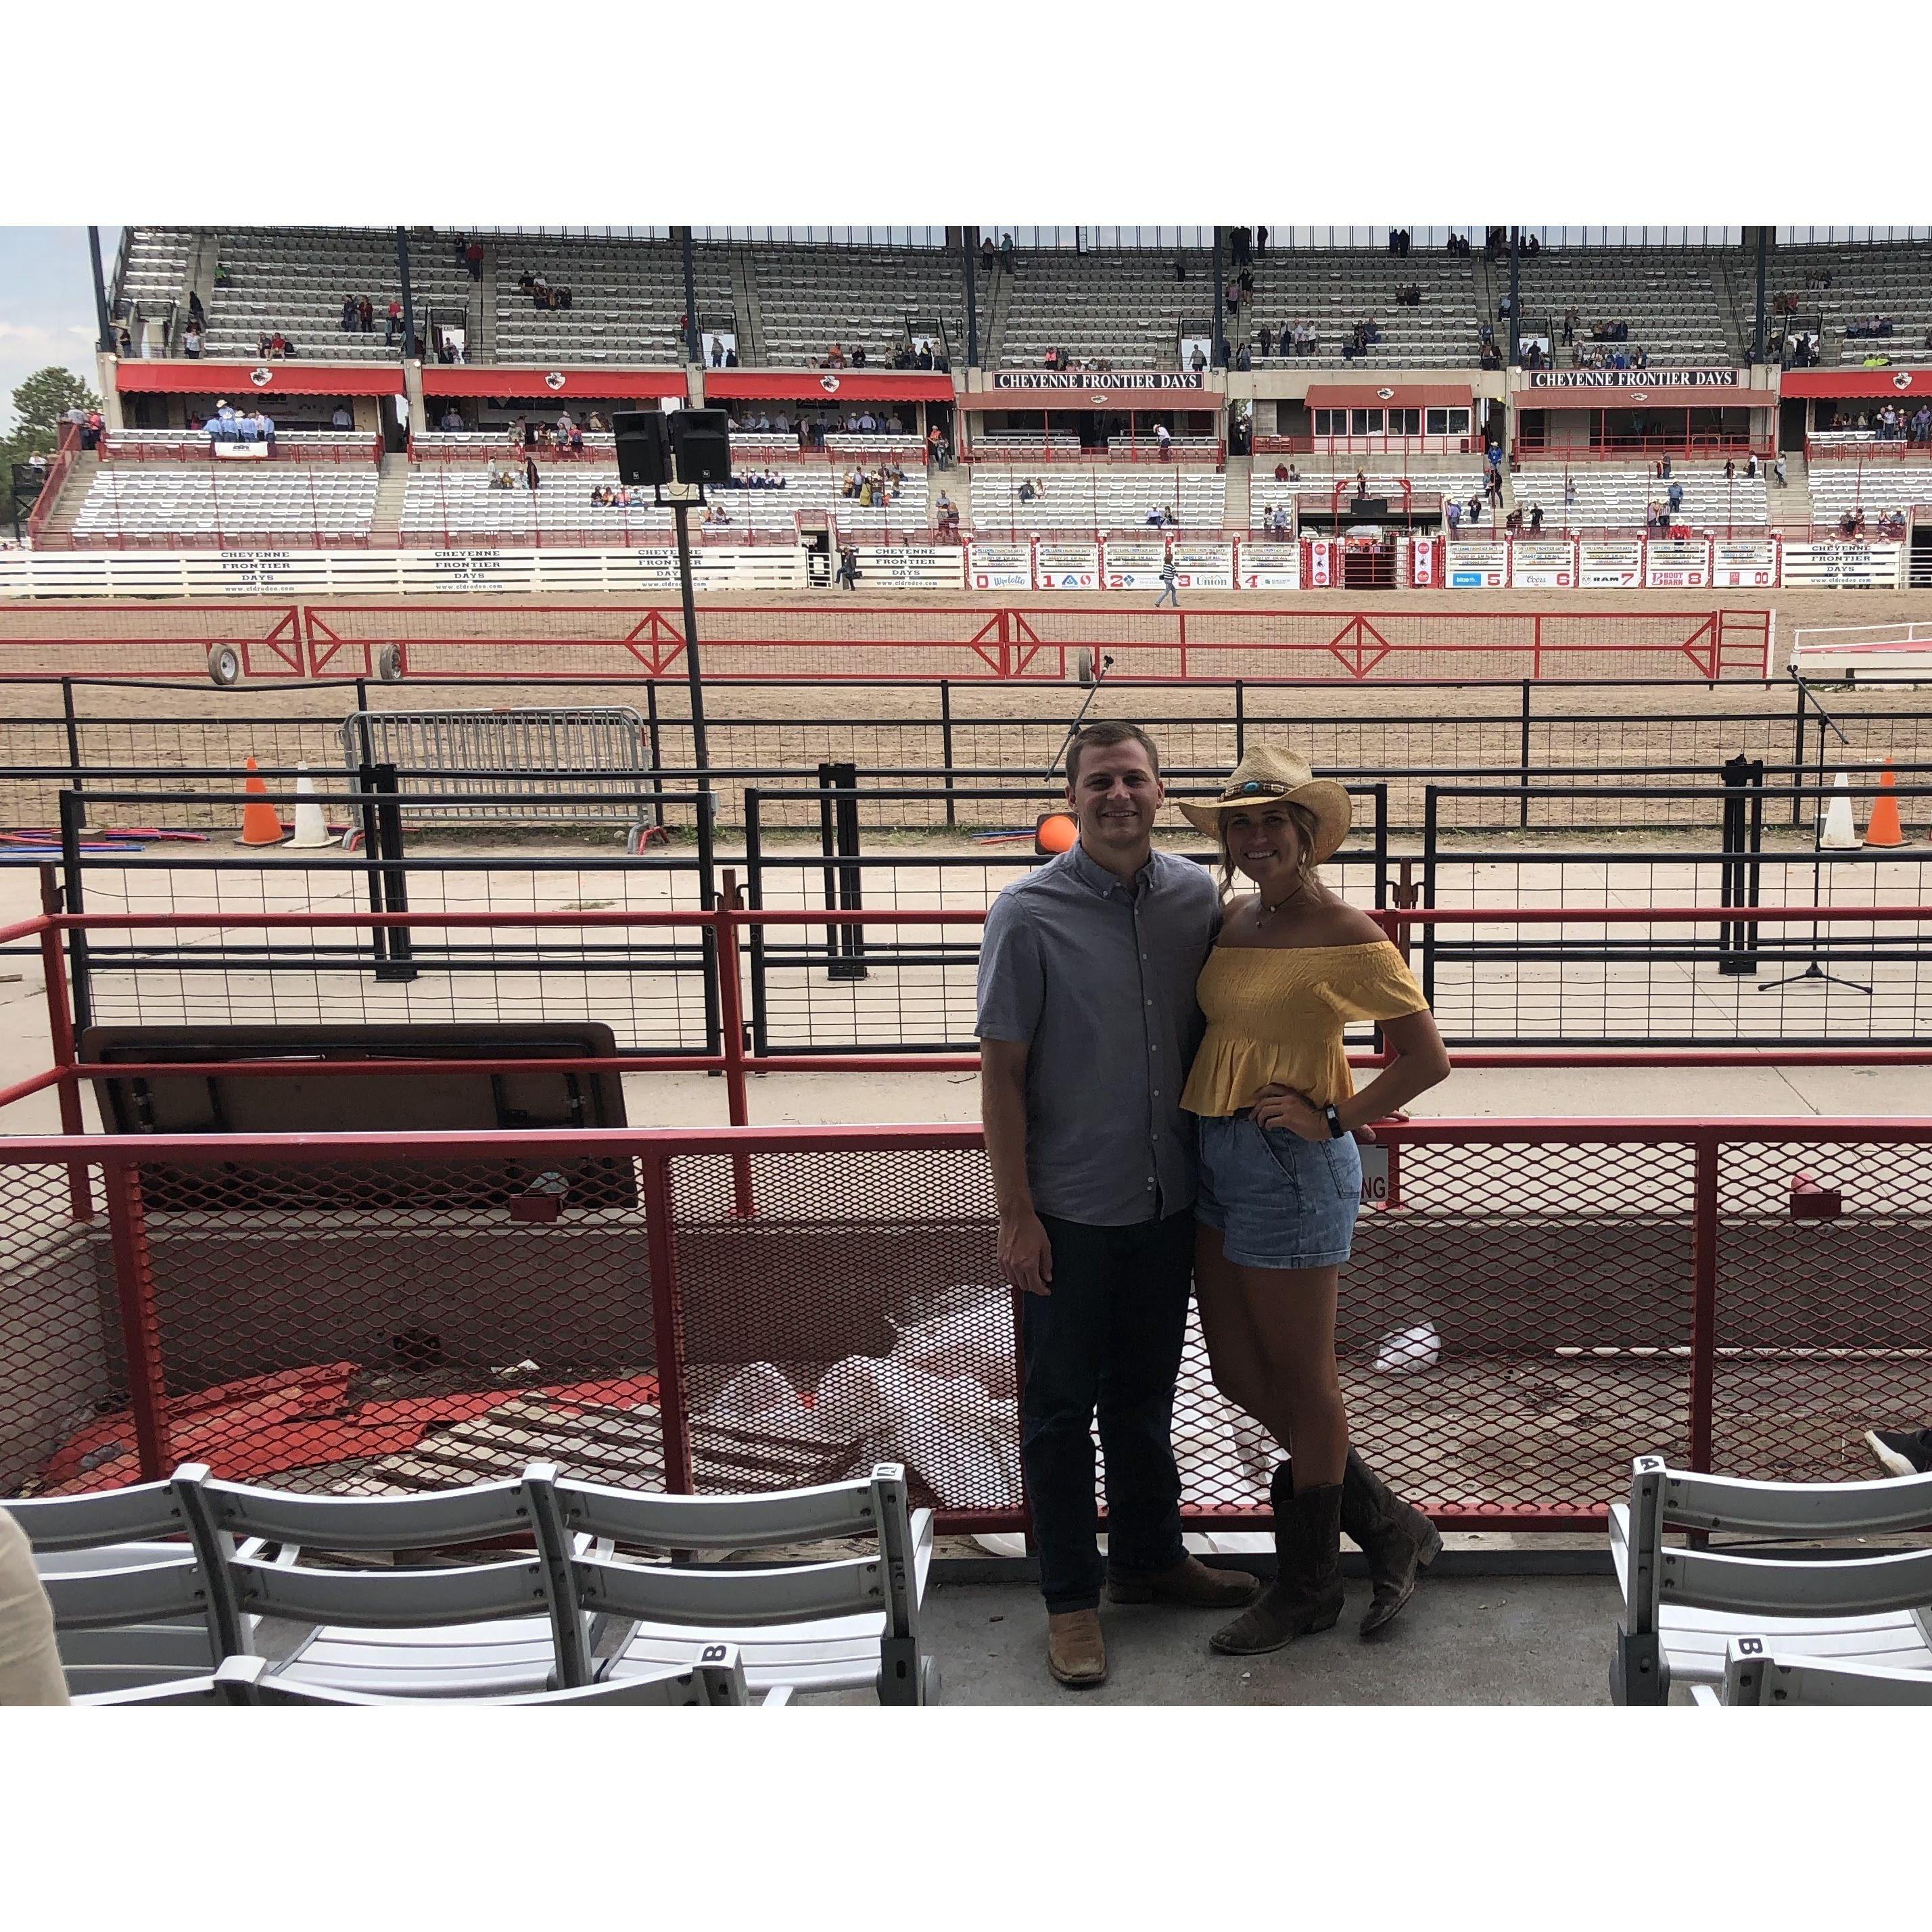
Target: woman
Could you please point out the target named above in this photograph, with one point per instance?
(1281, 1179)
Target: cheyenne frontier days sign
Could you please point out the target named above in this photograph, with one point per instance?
(1114, 379)
(1632, 379)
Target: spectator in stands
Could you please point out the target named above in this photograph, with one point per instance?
(1261, 239)
(1164, 441)
(835, 357)
(1278, 520)
(1730, 474)
(1777, 470)
(1569, 493)
(1674, 495)
(191, 343)
(1512, 522)
(1535, 518)
(196, 313)
(848, 566)
(472, 259)
(392, 321)
(341, 419)
(452, 419)
(348, 314)
(1452, 513)
(532, 475)
(1473, 510)
(947, 512)
(1006, 253)
(1198, 361)
(522, 436)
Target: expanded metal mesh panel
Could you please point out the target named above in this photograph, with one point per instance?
(859, 1317)
(347, 1327)
(61, 1357)
(1824, 1328)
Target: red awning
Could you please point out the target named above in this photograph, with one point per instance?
(819, 386)
(1030, 402)
(1390, 396)
(1914, 382)
(1661, 395)
(468, 378)
(299, 378)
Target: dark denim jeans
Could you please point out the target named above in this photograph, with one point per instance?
(1108, 1338)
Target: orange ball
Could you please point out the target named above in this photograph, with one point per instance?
(1056, 832)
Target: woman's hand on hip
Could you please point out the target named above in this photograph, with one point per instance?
(1283, 1107)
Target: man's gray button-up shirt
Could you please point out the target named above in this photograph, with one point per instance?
(1096, 975)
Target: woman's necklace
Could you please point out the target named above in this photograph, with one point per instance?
(1267, 912)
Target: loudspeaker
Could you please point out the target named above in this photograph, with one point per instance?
(701, 443)
(643, 455)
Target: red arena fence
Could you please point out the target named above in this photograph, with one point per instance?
(845, 642)
(1530, 1302)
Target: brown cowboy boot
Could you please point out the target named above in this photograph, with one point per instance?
(1306, 1595)
(1190, 1582)
(1396, 1539)
(1075, 1652)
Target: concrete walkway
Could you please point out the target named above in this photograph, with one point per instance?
(1463, 1640)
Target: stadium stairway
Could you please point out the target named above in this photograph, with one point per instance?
(482, 315)
(1239, 471)
(73, 493)
(386, 522)
(994, 303)
(957, 482)
(745, 301)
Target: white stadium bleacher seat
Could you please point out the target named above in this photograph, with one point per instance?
(1673, 299)
(1610, 498)
(626, 298)
(1682, 1606)
(875, 297)
(1097, 496)
(457, 501)
(1840, 483)
(198, 503)
(295, 280)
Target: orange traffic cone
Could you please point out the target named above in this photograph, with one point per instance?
(259, 825)
(1884, 828)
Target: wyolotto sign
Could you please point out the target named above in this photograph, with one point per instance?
(1000, 566)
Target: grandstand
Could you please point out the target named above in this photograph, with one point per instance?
(1673, 301)
(1600, 497)
(1085, 353)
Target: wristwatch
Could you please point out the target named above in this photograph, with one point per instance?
(1333, 1116)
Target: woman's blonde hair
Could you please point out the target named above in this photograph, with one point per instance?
(1306, 830)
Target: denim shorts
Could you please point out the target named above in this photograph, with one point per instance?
(1280, 1201)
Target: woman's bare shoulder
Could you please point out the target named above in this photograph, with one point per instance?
(1340, 924)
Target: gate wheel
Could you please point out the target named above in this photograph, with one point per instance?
(224, 664)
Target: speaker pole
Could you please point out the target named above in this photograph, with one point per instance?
(699, 756)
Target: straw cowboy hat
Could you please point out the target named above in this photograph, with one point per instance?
(1266, 774)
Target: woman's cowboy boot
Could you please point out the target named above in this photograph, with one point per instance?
(1307, 1594)
(1395, 1537)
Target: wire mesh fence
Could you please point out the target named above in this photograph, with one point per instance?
(720, 1312)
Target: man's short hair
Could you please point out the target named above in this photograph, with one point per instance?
(1108, 731)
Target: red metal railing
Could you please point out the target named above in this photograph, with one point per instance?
(1595, 1288)
(194, 446)
(1590, 1289)
(66, 450)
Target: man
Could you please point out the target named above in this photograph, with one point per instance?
(340, 418)
(1087, 1021)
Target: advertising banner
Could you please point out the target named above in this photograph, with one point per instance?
(1543, 563)
(1066, 566)
(1476, 566)
(1610, 566)
(1425, 562)
(913, 566)
(1000, 566)
(1205, 566)
(1751, 564)
(1322, 564)
(1671, 565)
(1133, 564)
(1268, 566)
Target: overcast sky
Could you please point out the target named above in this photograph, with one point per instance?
(46, 309)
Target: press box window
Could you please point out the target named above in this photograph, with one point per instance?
(1364, 422)
(1447, 422)
(1405, 422)
(1331, 422)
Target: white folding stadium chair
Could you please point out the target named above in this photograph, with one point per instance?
(1683, 1606)
(851, 1623)
(460, 1629)
(717, 1679)
(1757, 1673)
(132, 1603)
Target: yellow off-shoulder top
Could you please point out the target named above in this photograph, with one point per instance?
(1275, 1014)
